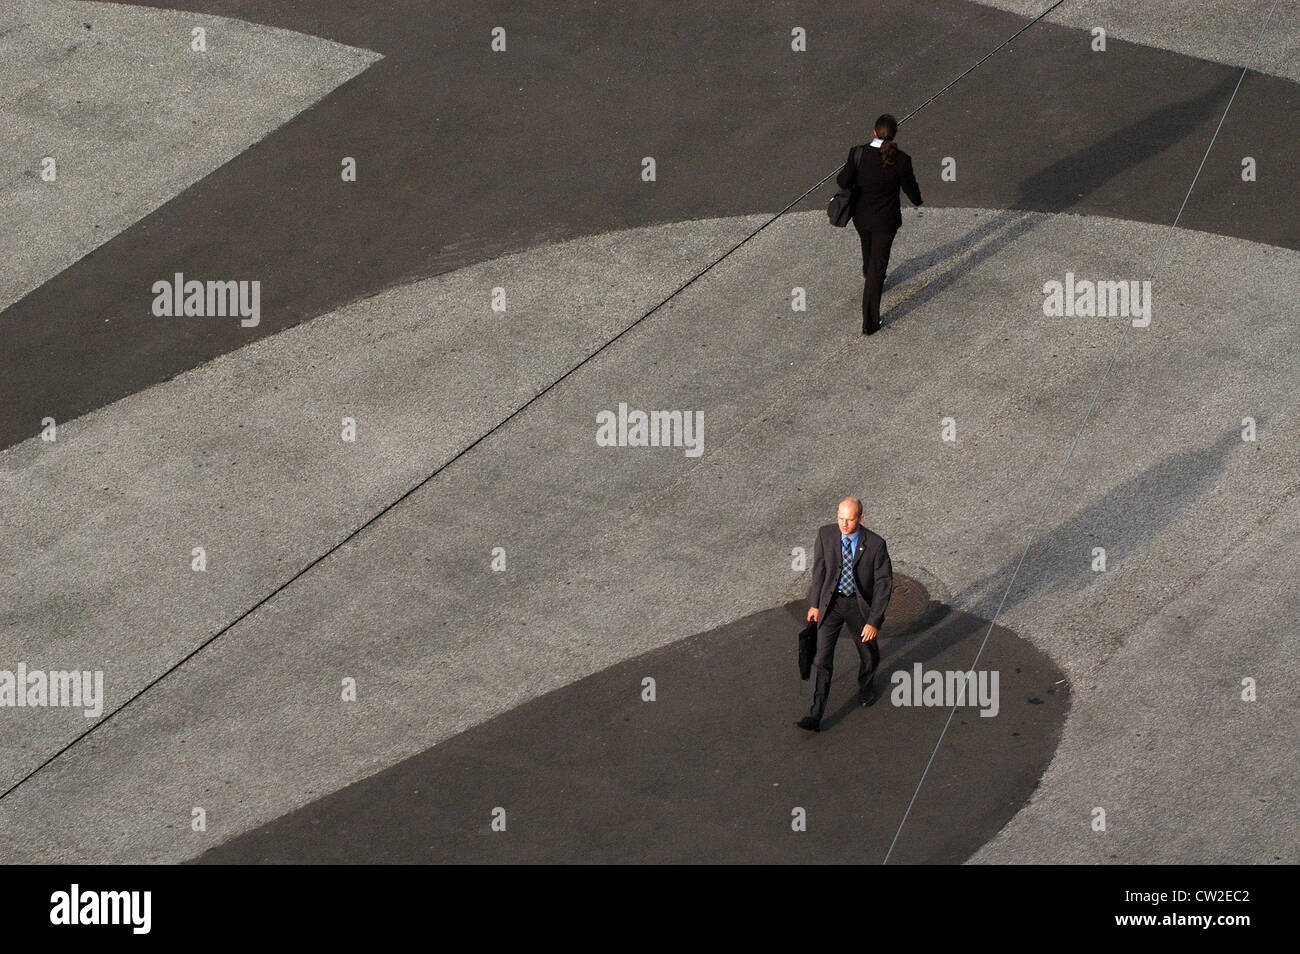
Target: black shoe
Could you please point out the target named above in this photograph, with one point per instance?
(870, 329)
(809, 723)
(867, 696)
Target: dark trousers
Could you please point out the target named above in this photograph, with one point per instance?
(843, 613)
(876, 244)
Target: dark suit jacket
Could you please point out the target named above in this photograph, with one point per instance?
(877, 205)
(873, 574)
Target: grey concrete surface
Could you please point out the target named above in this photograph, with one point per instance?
(612, 552)
(132, 116)
(1216, 30)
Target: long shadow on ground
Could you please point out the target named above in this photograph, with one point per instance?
(713, 769)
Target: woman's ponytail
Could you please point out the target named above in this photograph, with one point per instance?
(887, 129)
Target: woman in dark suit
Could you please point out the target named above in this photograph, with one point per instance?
(882, 170)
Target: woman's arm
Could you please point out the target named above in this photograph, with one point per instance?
(848, 175)
(909, 183)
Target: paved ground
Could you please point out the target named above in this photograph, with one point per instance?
(708, 771)
(452, 173)
(197, 432)
(132, 117)
(1214, 31)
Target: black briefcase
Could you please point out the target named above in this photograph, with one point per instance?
(840, 210)
(807, 649)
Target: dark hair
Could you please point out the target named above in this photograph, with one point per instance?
(886, 128)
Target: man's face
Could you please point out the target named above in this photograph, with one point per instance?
(848, 518)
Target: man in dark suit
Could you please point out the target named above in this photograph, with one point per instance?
(881, 172)
(852, 580)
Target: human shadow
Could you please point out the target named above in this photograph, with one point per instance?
(1059, 562)
(1122, 522)
(1054, 189)
(1004, 229)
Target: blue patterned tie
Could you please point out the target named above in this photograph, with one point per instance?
(846, 565)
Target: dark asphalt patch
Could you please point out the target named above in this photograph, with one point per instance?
(465, 155)
(712, 770)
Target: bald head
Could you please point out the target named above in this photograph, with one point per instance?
(849, 515)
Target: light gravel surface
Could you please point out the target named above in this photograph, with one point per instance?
(1224, 31)
(132, 116)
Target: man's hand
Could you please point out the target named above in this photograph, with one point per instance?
(869, 633)
(812, 614)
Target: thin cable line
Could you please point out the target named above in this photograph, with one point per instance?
(1079, 433)
(485, 435)
(980, 63)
